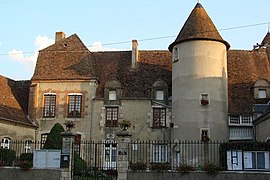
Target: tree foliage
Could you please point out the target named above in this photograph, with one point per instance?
(54, 138)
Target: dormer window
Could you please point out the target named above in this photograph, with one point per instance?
(262, 93)
(261, 89)
(160, 95)
(112, 95)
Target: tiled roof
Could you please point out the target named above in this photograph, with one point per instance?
(14, 100)
(136, 83)
(68, 59)
(244, 68)
(198, 26)
(67, 63)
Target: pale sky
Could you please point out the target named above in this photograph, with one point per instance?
(30, 25)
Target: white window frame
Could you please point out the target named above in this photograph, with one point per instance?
(262, 93)
(112, 95)
(5, 143)
(27, 146)
(250, 156)
(159, 95)
(160, 153)
(110, 155)
(244, 119)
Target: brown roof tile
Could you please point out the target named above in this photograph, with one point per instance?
(198, 26)
(244, 68)
(152, 66)
(14, 100)
(68, 59)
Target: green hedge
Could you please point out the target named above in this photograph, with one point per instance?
(7, 157)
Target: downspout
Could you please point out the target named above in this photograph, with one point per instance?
(91, 112)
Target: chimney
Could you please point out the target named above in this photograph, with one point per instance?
(135, 54)
(59, 36)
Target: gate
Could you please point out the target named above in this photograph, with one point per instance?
(94, 160)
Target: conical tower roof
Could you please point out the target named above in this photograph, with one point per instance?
(198, 26)
(266, 39)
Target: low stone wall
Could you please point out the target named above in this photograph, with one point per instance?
(199, 175)
(35, 174)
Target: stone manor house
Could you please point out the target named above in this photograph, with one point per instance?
(199, 88)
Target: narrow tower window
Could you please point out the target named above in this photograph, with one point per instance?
(175, 54)
(204, 99)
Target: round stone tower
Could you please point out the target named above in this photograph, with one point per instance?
(199, 80)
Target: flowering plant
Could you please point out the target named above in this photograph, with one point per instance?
(125, 124)
(69, 124)
(204, 102)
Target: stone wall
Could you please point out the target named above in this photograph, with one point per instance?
(35, 174)
(202, 176)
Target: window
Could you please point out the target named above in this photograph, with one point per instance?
(43, 138)
(27, 146)
(111, 117)
(112, 95)
(175, 54)
(204, 99)
(262, 93)
(159, 117)
(160, 95)
(205, 135)
(5, 143)
(74, 106)
(110, 155)
(49, 105)
(160, 153)
(256, 160)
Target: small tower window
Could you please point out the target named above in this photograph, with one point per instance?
(112, 95)
(204, 99)
(205, 135)
(175, 54)
(160, 95)
(262, 93)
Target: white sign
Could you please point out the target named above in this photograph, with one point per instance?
(47, 158)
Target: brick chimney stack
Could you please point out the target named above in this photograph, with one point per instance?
(135, 54)
(59, 36)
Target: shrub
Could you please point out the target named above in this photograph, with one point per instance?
(185, 169)
(26, 161)
(80, 166)
(54, 138)
(138, 166)
(7, 156)
(211, 168)
(26, 157)
(160, 166)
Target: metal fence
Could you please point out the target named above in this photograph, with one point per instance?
(100, 159)
(95, 160)
(12, 151)
(171, 155)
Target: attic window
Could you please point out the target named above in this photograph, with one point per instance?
(262, 93)
(160, 95)
(112, 95)
(65, 45)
